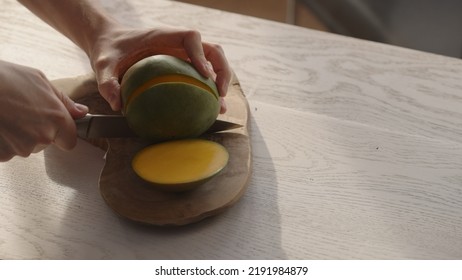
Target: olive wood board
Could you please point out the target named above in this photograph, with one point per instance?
(133, 198)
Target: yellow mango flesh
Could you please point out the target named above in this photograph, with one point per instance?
(180, 162)
(174, 78)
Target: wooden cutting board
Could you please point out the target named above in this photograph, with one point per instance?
(134, 199)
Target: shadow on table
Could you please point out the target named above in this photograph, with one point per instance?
(248, 230)
(251, 229)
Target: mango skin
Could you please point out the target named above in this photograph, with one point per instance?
(171, 110)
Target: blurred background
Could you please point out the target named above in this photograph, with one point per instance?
(427, 25)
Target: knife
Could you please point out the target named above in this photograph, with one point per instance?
(116, 126)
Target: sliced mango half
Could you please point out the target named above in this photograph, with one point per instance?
(180, 165)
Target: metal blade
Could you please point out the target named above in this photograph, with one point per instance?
(220, 125)
(103, 126)
(116, 126)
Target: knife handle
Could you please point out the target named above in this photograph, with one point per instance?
(83, 124)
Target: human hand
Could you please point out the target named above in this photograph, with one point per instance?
(33, 114)
(119, 48)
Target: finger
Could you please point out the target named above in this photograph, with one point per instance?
(181, 43)
(66, 136)
(192, 44)
(222, 105)
(223, 80)
(215, 54)
(76, 110)
(6, 152)
(109, 88)
(19, 143)
(200, 55)
(39, 148)
(66, 131)
(107, 77)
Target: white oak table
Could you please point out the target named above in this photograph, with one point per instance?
(357, 151)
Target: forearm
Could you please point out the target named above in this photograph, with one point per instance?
(113, 48)
(82, 21)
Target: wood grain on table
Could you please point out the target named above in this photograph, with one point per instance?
(357, 151)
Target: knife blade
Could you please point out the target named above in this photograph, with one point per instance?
(116, 126)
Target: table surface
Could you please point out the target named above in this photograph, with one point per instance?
(357, 151)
